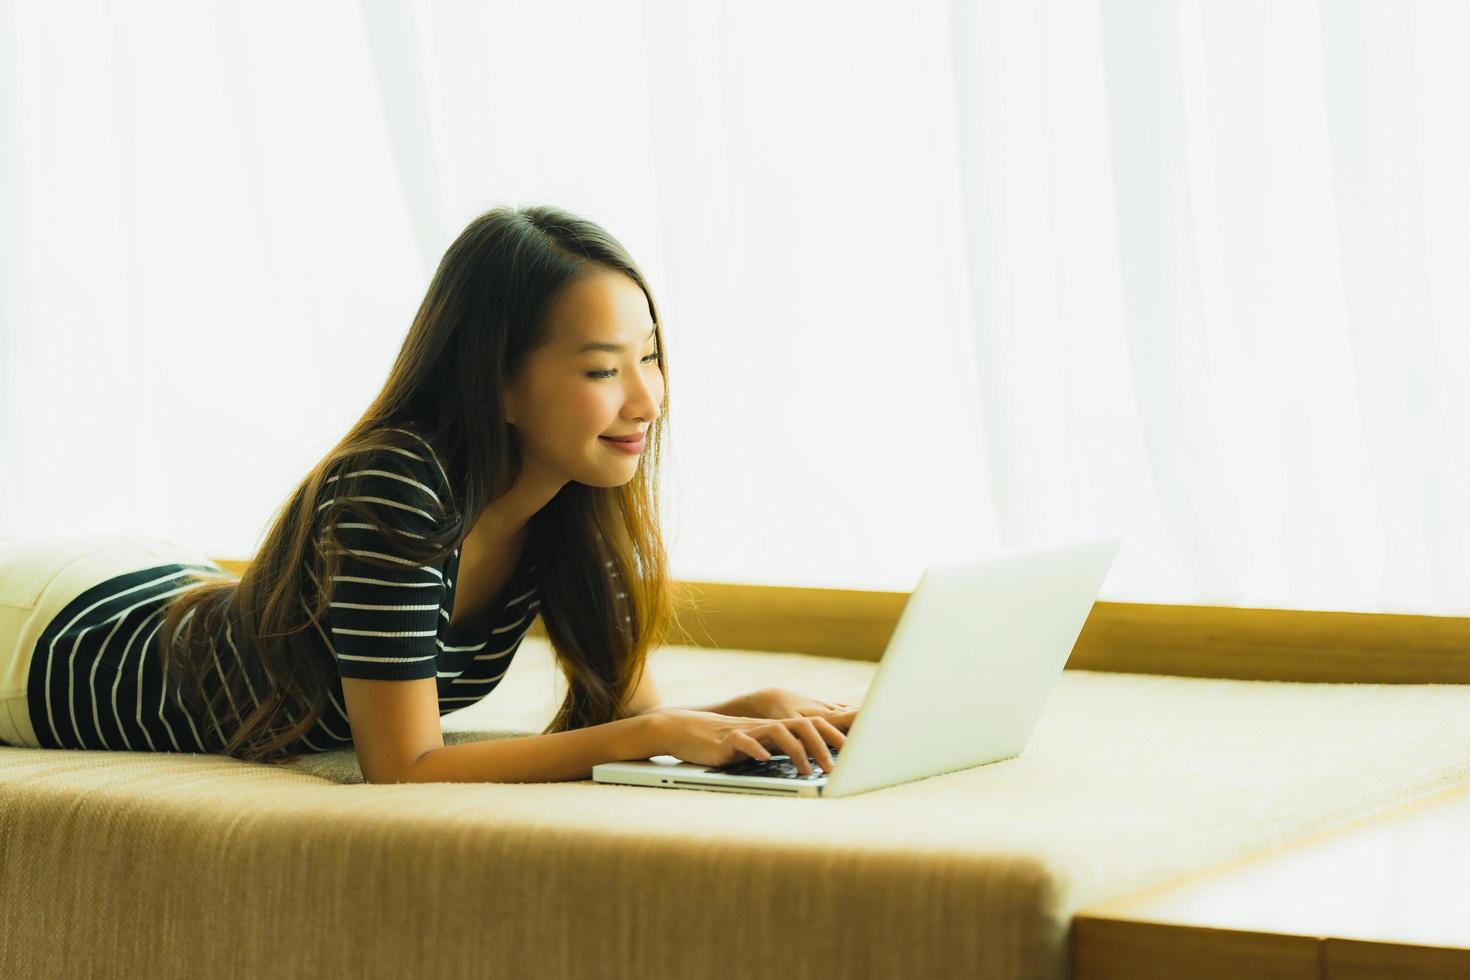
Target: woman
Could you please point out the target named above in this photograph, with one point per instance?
(503, 448)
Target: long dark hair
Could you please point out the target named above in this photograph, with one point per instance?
(483, 314)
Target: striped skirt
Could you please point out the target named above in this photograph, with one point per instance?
(39, 576)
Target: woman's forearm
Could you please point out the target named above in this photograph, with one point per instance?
(558, 757)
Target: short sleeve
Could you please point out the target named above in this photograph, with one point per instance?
(384, 610)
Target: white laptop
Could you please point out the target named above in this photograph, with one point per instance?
(977, 651)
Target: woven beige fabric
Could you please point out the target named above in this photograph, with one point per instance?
(120, 864)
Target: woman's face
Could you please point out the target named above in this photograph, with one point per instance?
(577, 389)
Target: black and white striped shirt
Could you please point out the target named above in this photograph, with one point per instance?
(91, 687)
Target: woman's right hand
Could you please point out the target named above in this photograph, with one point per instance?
(709, 739)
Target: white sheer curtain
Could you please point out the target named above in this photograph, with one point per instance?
(934, 275)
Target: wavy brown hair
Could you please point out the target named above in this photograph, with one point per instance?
(485, 311)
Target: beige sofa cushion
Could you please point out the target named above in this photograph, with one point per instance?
(168, 865)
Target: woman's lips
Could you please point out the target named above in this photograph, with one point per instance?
(632, 446)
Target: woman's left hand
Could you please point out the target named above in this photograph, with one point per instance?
(778, 702)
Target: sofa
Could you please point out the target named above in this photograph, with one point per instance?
(163, 865)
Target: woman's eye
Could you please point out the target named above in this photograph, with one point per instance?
(612, 371)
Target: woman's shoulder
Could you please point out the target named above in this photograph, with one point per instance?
(400, 477)
(416, 447)
(403, 466)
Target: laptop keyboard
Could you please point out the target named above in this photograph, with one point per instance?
(779, 766)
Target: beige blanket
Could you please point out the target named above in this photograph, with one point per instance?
(188, 866)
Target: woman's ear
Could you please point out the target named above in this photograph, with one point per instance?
(511, 395)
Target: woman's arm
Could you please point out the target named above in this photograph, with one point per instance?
(550, 758)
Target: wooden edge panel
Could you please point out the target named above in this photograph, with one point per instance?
(1356, 959)
(1274, 644)
(1126, 637)
(1120, 949)
(1111, 949)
